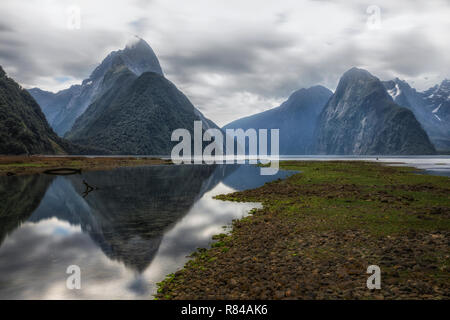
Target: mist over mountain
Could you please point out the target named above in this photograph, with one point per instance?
(64, 107)
(296, 118)
(361, 119)
(431, 108)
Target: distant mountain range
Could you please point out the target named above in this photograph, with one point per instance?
(359, 118)
(127, 106)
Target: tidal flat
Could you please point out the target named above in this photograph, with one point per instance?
(318, 231)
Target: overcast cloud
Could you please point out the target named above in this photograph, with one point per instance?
(232, 58)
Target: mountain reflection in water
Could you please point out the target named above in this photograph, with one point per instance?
(138, 226)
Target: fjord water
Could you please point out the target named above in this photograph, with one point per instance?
(126, 235)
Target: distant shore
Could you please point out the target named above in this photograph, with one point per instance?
(23, 165)
(320, 229)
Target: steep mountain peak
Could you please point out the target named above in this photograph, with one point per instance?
(64, 107)
(137, 42)
(361, 118)
(357, 74)
(138, 56)
(2, 72)
(135, 115)
(358, 85)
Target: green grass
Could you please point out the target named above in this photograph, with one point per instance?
(373, 201)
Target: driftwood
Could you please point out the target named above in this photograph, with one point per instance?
(63, 171)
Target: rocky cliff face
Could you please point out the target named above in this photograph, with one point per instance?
(361, 119)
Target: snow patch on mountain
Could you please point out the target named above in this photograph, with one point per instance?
(395, 92)
(437, 109)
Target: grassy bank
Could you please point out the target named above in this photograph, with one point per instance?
(19, 165)
(319, 230)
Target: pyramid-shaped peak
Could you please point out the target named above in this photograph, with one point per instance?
(137, 56)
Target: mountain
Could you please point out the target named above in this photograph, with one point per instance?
(51, 102)
(431, 108)
(64, 107)
(136, 114)
(23, 127)
(296, 118)
(361, 119)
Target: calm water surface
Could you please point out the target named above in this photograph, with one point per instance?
(127, 235)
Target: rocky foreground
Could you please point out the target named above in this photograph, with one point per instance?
(320, 229)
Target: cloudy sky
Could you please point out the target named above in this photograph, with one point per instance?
(232, 58)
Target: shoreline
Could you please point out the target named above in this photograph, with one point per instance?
(319, 230)
(25, 165)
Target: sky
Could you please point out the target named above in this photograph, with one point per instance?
(231, 58)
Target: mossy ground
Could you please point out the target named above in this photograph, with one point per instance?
(20, 165)
(320, 229)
